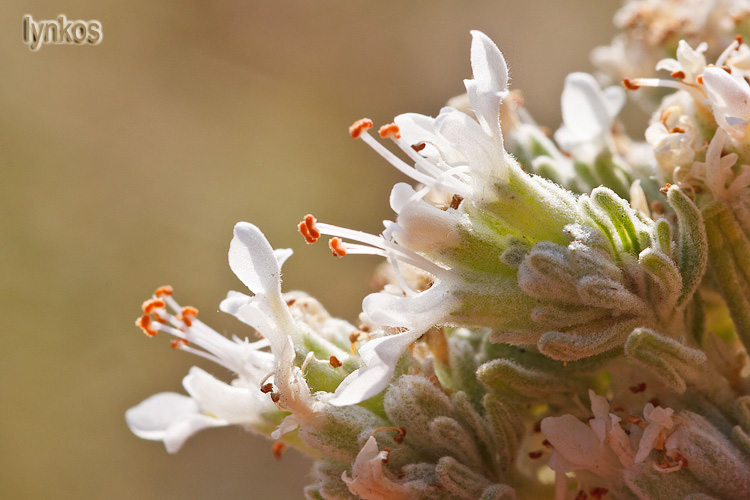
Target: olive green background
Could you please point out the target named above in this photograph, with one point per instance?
(125, 165)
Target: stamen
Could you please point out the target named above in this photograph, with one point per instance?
(390, 130)
(400, 433)
(178, 343)
(735, 45)
(638, 388)
(188, 314)
(535, 454)
(353, 338)
(336, 247)
(406, 169)
(418, 147)
(308, 229)
(628, 84)
(266, 388)
(456, 201)
(163, 290)
(335, 362)
(680, 75)
(144, 323)
(360, 126)
(278, 449)
(598, 493)
(151, 304)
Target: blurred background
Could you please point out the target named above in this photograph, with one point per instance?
(125, 166)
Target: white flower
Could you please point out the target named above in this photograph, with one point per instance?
(454, 155)
(690, 62)
(369, 478)
(729, 97)
(588, 113)
(173, 418)
(604, 448)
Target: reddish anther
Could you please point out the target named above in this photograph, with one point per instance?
(680, 75)
(188, 314)
(360, 126)
(337, 249)
(635, 389)
(144, 323)
(629, 84)
(278, 449)
(308, 229)
(598, 493)
(163, 290)
(390, 130)
(151, 304)
(335, 362)
(179, 343)
(535, 454)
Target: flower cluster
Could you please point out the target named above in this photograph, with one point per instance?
(560, 316)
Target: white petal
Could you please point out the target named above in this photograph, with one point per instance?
(253, 260)
(235, 405)
(401, 195)
(168, 417)
(488, 64)
(233, 302)
(585, 114)
(426, 309)
(282, 254)
(573, 439)
(380, 357)
(490, 83)
(729, 98)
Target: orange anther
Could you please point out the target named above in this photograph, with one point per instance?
(680, 75)
(418, 147)
(308, 229)
(400, 435)
(178, 343)
(630, 85)
(151, 304)
(157, 317)
(663, 190)
(390, 130)
(699, 79)
(337, 249)
(738, 39)
(188, 314)
(163, 290)
(335, 362)
(278, 449)
(360, 126)
(598, 493)
(144, 323)
(266, 388)
(638, 388)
